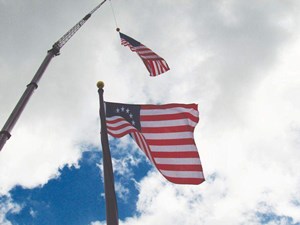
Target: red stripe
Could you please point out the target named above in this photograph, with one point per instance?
(151, 67)
(114, 121)
(179, 167)
(183, 141)
(118, 127)
(119, 135)
(183, 115)
(139, 139)
(174, 129)
(148, 59)
(148, 54)
(172, 105)
(147, 66)
(144, 50)
(157, 66)
(164, 65)
(185, 180)
(175, 154)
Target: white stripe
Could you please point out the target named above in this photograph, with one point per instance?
(168, 123)
(183, 174)
(175, 148)
(124, 130)
(149, 57)
(164, 63)
(157, 70)
(112, 118)
(146, 52)
(118, 123)
(178, 161)
(175, 135)
(137, 140)
(121, 131)
(174, 110)
(141, 48)
(159, 67)
(140, 140)
(153, 66)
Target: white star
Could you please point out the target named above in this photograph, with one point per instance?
(127, 110)
(117, 110)
(130, 115)
(133, 123)
(122, 109)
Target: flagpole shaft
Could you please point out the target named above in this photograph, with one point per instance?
(109, 188)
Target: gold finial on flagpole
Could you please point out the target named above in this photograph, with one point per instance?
(100, 84)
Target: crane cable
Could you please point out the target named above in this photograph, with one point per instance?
(114, 15)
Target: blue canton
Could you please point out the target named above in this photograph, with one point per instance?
(130, 113)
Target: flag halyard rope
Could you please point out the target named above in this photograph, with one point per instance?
(114, 15)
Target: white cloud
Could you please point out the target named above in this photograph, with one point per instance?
(7, 206)
(127, 159)
(122, 191)
(32, 212)
(98, 223)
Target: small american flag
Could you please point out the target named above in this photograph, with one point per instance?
(165, 133)
(154, 63)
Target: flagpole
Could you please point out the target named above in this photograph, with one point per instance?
(109, 188)
(5, 133)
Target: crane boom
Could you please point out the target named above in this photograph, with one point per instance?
(5, 133)
(64, 39)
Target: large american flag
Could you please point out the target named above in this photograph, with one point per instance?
(165, 133)
(154, 63)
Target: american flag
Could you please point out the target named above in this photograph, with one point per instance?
(154, 63)
(165, 133)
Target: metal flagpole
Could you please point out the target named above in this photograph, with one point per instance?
(109, 188)
(5, 133)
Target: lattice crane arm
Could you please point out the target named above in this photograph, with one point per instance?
(66, 37)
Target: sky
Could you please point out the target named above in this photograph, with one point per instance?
(237, 59)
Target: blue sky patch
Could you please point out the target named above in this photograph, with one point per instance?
(265, 218)
(76, 197)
